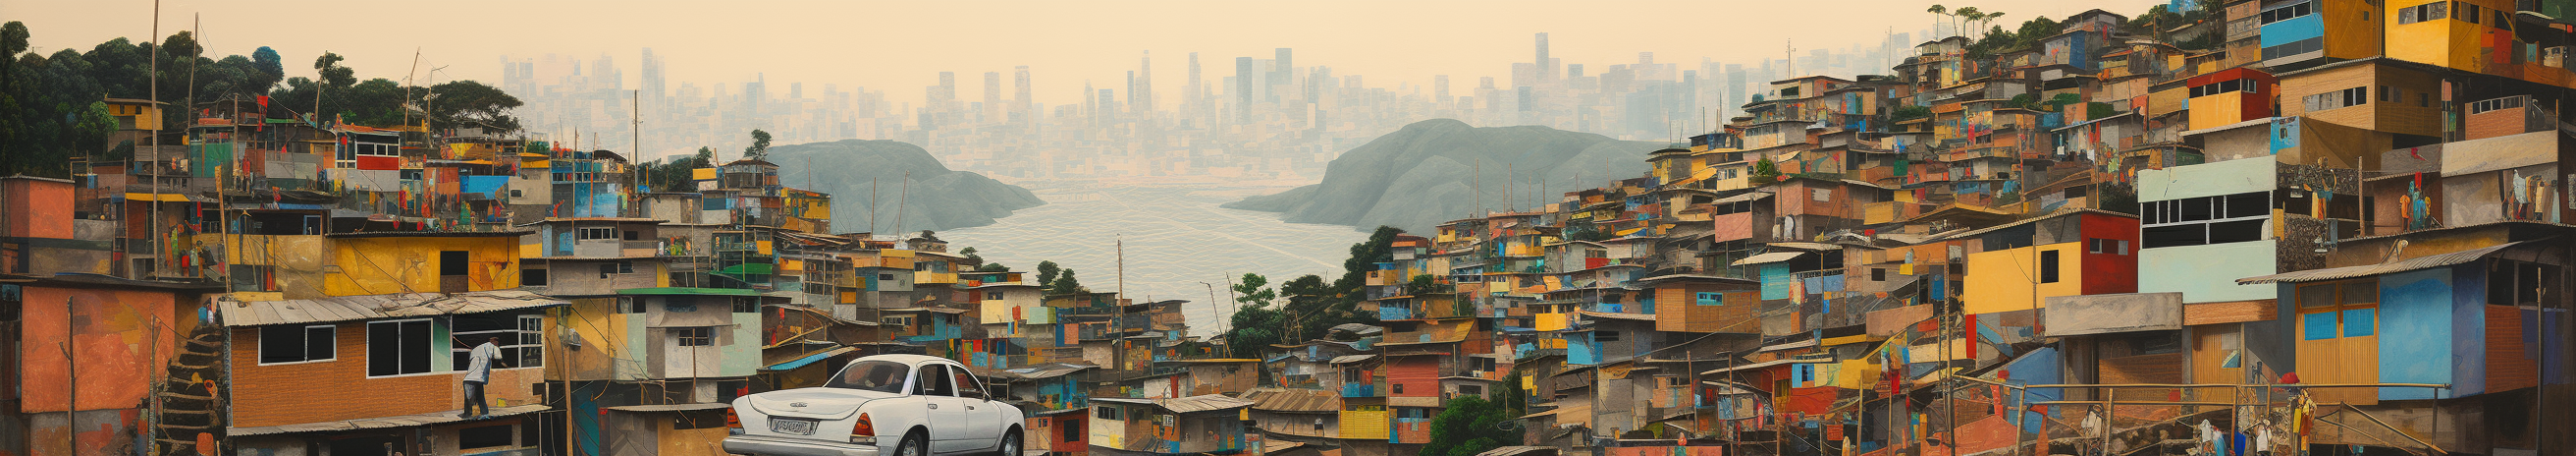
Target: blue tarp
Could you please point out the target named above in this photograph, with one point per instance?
(801, 362)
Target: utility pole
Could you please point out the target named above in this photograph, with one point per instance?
(872, 206)
(1231, 301)
(1122, 265)
(902, 201)
(1211, 289)
(155, 166)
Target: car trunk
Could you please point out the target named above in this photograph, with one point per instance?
(817, 403)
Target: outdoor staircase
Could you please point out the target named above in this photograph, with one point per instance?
(189, 404)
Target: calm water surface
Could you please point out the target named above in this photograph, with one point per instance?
(1176, 238)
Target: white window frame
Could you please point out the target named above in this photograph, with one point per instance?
(517, 339)
(531, 325)
(335, 346)
(684, 336)
(371, 347)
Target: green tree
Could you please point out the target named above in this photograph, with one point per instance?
(1253, 330)
(470, 103)
(1765, 172)
(1047, 270)
(1469, 425)
(759, 149)
(992, 267)
(332, 73)
(271, 68)
(1065, 284)
(1251, 291)
(677, 174)
(1909, 112)
(1423, 284)
(971, 257)
(1309, 300)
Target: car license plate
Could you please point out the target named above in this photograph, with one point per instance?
(790, 426)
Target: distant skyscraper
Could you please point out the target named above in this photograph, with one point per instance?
(1280, 74)
(1021, 103)
(752, 92)
(1243, 89)
(1140, 94)
(1440, 89)
(992, 96)
(652, 70)
(1574, 71)
(947, 90)
(1546, 67)
(1108, 108)
(1193, 87)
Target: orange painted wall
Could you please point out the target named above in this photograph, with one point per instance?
(111, 335)
(35, 208)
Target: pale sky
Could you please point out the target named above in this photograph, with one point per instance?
(901, 46)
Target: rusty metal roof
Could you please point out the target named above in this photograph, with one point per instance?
(1200, 403)
(1347, 359)
(372, 307)
(1294, 400)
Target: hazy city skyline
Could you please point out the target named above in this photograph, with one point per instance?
(1068, 44)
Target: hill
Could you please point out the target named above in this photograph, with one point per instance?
(1432, 171)
(938, 198)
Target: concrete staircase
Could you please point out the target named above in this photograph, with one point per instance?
(189, 402)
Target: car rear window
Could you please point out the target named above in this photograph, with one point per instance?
(879, 376)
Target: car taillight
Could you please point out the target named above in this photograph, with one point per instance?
(863, 432)
(732, 420)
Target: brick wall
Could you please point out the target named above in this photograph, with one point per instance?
(340, 390)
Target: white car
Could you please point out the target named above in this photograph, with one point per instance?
(893, 405)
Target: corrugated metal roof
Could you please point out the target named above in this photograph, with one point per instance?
(1293, 400)
(1621, 316)
(2410, 264)
(1347, 359)
(1049, 370)
(1742, 198)
(668, 407)
(1200, 403)
(1758, 365)
(383, 422)
(1773, 257)
(1811, 246)
(370, 307)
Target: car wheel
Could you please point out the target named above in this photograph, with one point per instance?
(1010, 443)
(913, 445)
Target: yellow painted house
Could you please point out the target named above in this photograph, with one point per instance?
(2466, 35)
(421, 262)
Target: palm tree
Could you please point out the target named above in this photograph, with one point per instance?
(1937, 10)
(1989, 18)
(1967, 14)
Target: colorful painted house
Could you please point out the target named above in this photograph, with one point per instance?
(1210, 424)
